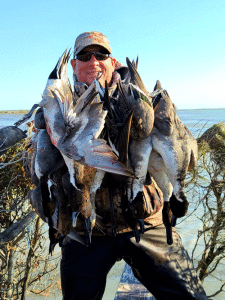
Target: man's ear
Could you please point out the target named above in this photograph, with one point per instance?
(113, 61)
(73, 64)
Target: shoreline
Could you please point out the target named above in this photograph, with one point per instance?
(25, 111)
(19, 111)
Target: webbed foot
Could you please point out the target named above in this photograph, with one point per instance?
(142, 225)
(169, 235)
(61, 240)
(173, 221)
(88, 231)
(54, 238)
(51, 248)
(133, 213)
(167, 221)
(136, 234)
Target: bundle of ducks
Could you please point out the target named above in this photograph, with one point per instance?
(125, 132)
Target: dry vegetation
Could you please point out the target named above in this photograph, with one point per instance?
(24, 261)
(208, 184)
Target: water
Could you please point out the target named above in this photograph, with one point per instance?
(10, 119)
(197, 121)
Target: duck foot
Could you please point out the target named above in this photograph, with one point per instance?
(142, 225)
(136, 234)
(169, 235)
(88, 234)
(53, 237)
(133, 214)
(61, 240)
(51, 248)
(114, 230)
(173, 221)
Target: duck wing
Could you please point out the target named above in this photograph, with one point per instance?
(165, 113)
(9, 136)
(168, 123)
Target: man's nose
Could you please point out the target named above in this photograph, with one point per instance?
(93, 60)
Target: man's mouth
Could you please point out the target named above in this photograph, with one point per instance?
(94, 72)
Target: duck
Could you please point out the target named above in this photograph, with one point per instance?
(45, 161)
(137, 96)
(175, 151)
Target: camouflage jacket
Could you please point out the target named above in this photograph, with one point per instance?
(153, 203)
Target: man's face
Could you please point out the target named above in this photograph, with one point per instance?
(88, 71)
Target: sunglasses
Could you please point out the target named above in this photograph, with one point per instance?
(97, 55)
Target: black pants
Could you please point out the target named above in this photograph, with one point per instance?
(166, 271)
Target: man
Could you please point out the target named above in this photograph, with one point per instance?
(166, 271)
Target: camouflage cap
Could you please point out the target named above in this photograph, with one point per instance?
(91, 38)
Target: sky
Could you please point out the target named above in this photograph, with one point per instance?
(181, 43)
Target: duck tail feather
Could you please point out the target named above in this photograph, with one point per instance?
(121, 91)
(26, 116)
(135, 77)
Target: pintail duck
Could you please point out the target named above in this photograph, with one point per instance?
(174, 152)
(46, 162)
